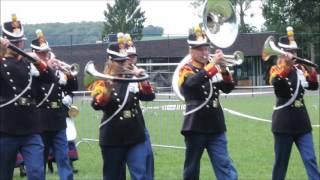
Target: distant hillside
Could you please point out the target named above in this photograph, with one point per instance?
(66, 33)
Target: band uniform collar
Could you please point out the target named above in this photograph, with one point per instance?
(197, 64)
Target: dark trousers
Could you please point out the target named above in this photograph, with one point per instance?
(57, 140)
(149, 160)
(115, 159)
(282, 148)
(216, 145)
(31, 148)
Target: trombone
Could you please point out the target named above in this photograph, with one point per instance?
(270, 49)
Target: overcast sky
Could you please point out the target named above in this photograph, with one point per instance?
(175, 16)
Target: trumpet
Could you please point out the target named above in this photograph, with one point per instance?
(270, 49)
(72, 69)
(229, 60)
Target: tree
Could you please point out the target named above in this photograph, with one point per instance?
(244, 5)
(124, 16)
(303, 16)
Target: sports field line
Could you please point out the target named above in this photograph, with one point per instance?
(253, 117)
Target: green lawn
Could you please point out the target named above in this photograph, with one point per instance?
(250, 142)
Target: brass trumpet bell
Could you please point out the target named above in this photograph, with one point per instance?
(230, 60)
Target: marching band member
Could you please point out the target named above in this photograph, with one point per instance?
(290, 119)
(122, 136)
(52, 112)
(204, 125)
(133, 57)
(71, 133)
(20, 126)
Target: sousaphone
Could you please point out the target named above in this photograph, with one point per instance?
(220, 25)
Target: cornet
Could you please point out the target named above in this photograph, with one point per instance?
(229, 60)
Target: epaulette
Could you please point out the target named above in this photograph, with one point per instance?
(185, 71)
(273, 72)
(97, 87)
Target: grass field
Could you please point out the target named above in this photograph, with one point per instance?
(250, 142)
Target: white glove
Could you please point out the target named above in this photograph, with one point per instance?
(61, 76)
(302, 78)
(67, 100)
(133, 87)
(34, 71)
(217, 78)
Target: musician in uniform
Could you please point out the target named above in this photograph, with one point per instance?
(122, 136)
(133, 58)
(290, 119)
(52, 110)
(204, 124)
(20, 126)
(70, 112)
